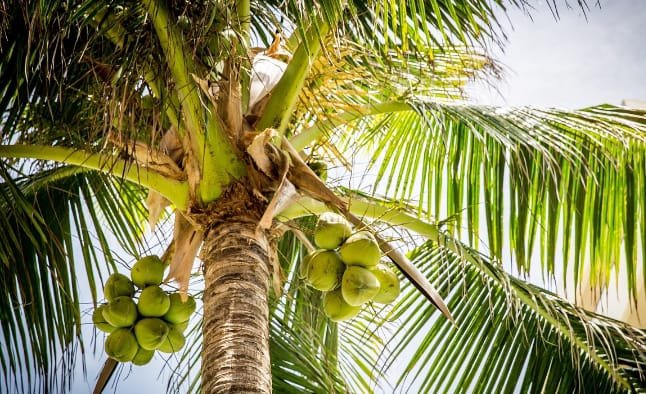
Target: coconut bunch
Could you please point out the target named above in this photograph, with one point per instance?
(139, 316)
(347, 268)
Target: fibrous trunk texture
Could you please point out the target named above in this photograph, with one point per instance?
(236, 315)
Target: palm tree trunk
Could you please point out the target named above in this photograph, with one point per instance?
(235, 355)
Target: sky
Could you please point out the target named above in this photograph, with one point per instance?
(571, 63)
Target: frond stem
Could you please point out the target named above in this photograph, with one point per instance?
(215, 160)
(174, 190)
(285, 95)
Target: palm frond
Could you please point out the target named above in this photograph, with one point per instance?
(511, 336)
(510, 333)
(65, 82)
(388, 40)
(406, 26)
(412, 25)
(351, 76)
(538, 180)
(55, 221)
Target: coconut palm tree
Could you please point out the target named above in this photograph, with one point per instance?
(237, 122)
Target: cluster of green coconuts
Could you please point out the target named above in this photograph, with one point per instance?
(347, 268)
(142, 319)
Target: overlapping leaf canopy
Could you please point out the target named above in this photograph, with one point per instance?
(383, 97)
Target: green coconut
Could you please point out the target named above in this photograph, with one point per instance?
(319, 168)
(389, 285)
(174, 342)
(120, 312)
(331, 230)
(121, 345)
(148, 271)
(336, 308)
(360, 249)
(118, 285)
(180, 326)
(305, 264)
(143, 356)
(325, 270)
(100, 322)
(179, 312)
(147, 102)
(151, 332)
(359, 285)
(153, 302)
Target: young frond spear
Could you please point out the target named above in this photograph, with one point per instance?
(267, 68)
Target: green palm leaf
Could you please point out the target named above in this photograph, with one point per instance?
(511, 336)
(47, 216)
(547, 168)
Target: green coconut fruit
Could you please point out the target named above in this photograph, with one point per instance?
(120, 312)
(148, 271)
(389, 285)
(121, 345)
(359, 285)
(319, 168)
(100, 322)
(336, 308)
(153, 302)
(180, 326)
(179, 312)
(325, 270)
(331, 230)
(143, 356)
(305, 263)
(118, 285)
(174, 341)
(151, 332)
(148, 102)
(360, 249)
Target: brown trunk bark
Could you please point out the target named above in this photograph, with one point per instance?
(235, 355)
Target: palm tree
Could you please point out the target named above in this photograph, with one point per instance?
(109, 104)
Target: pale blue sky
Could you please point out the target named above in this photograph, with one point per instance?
(570, 63)
(573, 62)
